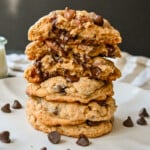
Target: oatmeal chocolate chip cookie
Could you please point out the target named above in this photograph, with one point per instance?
(74, 27)
(72, 68)
(37, 49)
(92, 131)
(62, 113)
(58, 89)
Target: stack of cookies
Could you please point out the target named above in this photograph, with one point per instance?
(70, 80)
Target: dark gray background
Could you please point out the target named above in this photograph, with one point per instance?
(130, 17)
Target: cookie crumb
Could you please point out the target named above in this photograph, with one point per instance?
(128, 122)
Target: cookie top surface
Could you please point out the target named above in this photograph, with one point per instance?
(102, 128)
(62, 113)
(74, 27)
(58, 89)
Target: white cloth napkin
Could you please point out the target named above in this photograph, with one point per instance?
(16, 64)
(135, 69)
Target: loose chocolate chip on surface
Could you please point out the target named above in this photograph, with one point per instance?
(83, 140)
(6, 108)
(4, 137)
(141, 121)
(128, 122)
(16, 104)
(98, 20)
(92, 123)
(143, 113)
(43, 148)
(54, 137)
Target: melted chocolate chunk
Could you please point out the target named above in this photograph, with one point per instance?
(98, 20)
(71, 78)
(141, 121)
(54, 137)
(56, 111)
(110, 49)
(4, 137)
(128, 122)
(69, 13)
(83, 140)
(45, 75)
(37, 64)
(16, 104)
(95, 72)
(55, 57)
(64, 52)
(86, 58)
(143, 113)
(76, 58)
(43, 148)
(102, 103)
(92, 123)
(6, 108)
(61, 89)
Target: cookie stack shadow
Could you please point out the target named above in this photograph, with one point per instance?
(70, 87)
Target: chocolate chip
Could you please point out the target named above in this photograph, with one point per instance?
(76, 58)
(69, 13)
(4, 137)
(92, 123)
(71, 78)
(54, 137)
(56, 111)
(128, 122)
(110, 49)
(55, 57)
(43, 148)
(98, 20)
(37, 63)
(143, 113)
(45, 75)
(64, 52)
(83, 140)
(102, 103)
(141, 121)
(95, 72)
(6, 108)
(60, 89)
(86, 58)
(16, 104)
